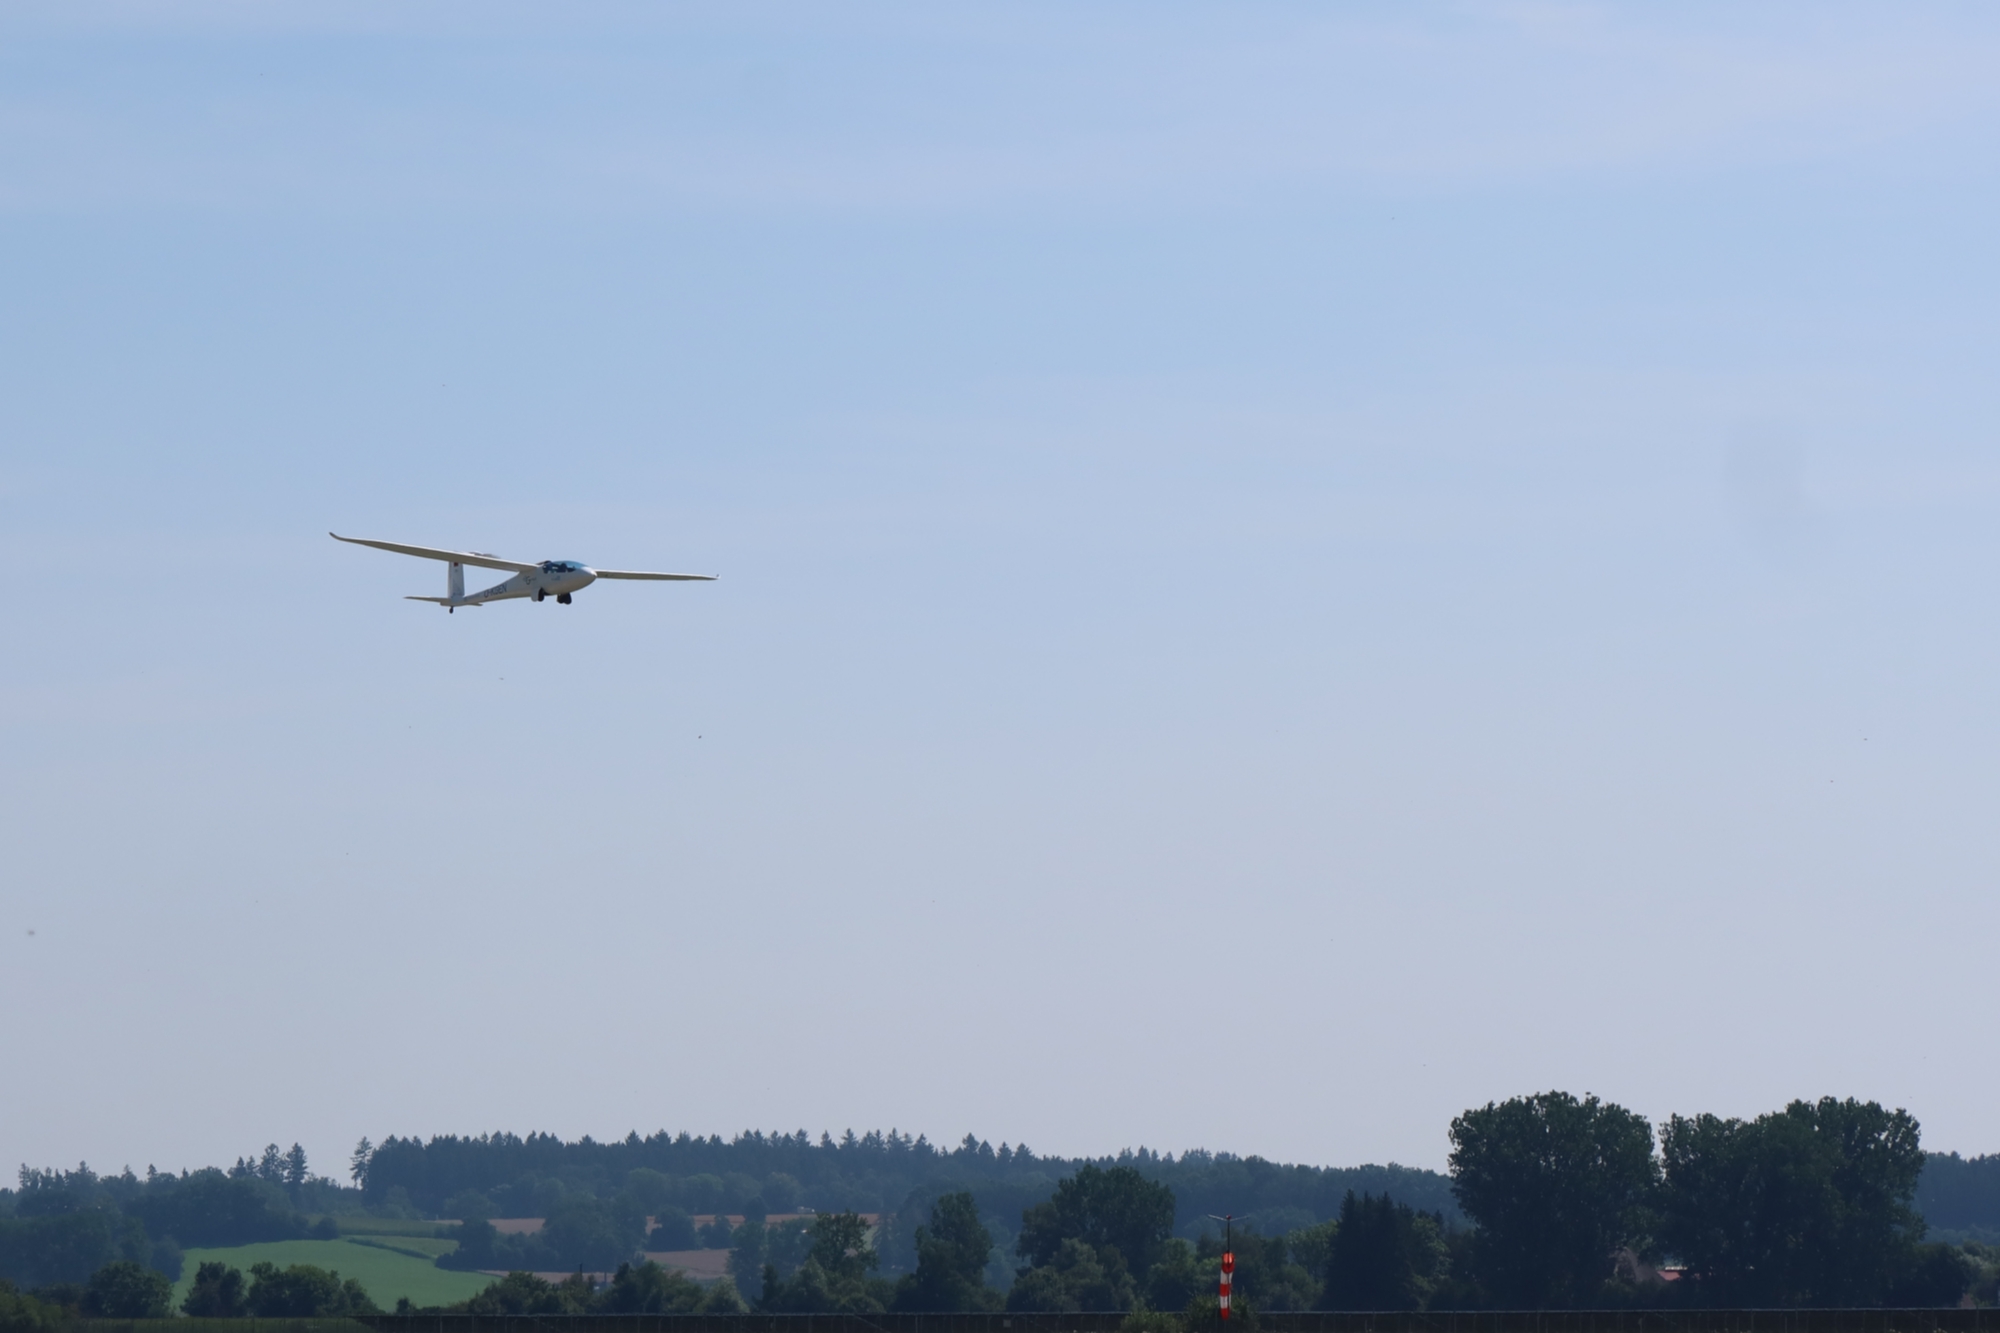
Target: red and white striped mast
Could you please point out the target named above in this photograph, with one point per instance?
(1228, 1266)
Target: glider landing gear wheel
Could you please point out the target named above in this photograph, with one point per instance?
(539, 594)
(563, 598)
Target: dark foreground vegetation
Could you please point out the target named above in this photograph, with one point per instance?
(1552, 1202)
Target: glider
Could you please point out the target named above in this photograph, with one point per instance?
(533, 579)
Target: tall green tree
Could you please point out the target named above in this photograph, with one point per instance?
(747, 1258)
(357, 1165)
(840, 1246)
(952, 1254)
(1558, 1187)
(835, 1274)
(1383, 1256)
(1115, 1207)
(1177, 1277)
(1810, 1205)
(217, 1293)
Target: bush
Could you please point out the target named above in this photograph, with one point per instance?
(672, 1230)
(649, 1289)
(524, 1293)
(24, 1314)
(303, 1291)
(1143, 1320)
(722, 1298)
(1934, 1277)
(127, 1290)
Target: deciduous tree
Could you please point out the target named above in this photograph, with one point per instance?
(1076, 1277)
(217, 1293)
(952, 1254)
(1117, 1207)
(1558, 1186)
(834, 1276)
(123, 1289)
(1810, 1205)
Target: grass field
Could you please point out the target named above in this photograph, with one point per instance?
(423, 1247)
(387, 1274)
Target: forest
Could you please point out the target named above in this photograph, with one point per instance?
(1550, 1201)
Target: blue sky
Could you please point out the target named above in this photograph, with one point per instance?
(1285, 571)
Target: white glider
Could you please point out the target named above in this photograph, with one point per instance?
(533, 579)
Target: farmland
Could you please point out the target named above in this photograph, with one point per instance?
(387, 1274)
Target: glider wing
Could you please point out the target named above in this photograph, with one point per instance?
(460, 557)
(638, 574)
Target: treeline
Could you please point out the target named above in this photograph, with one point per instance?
(60, 1227)
(509, 1175)
(1960, 1196)
(1550, 1202)
(1569, 1203)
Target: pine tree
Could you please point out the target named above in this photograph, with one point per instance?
(357, 1165)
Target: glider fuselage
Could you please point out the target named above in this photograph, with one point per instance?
(555, 578)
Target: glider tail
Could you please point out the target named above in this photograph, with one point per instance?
(455, 582)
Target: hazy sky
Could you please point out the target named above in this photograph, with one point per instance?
(1286, 570)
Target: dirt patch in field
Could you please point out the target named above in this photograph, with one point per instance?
(701, 1265)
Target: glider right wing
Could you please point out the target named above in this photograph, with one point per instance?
(639, 574)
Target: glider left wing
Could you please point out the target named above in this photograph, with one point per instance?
(464, 557)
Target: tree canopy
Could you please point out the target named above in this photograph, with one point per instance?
(1557, 1187)
(1810, 1205)
(1383, 1255)
(1115, 1208)
(953, 1250)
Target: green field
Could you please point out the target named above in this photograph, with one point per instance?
(387, 1274)
(423, 1247)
